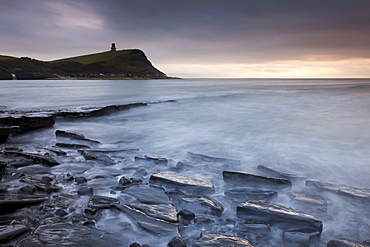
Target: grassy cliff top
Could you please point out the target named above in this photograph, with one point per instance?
(2, 57)
(93, 58)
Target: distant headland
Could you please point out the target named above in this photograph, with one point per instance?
(112, 64)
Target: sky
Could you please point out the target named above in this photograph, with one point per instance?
(199, 38)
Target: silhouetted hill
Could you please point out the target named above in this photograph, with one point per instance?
(124, 63)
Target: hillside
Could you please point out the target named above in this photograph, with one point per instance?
(123, 63)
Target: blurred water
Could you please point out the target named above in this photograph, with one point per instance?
(319, 129)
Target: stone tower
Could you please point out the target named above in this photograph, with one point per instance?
(113, 48)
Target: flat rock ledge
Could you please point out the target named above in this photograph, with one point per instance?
(343, 243)
(65, 234)
(340, 189)
(241, 179)
(283, 217)
(212, 240)
(169, 180)
(19, 123)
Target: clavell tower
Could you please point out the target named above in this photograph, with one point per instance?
(113, 48)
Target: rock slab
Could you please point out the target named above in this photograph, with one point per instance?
(283, 217)
(246, 179)
(182, 182)
(213, 240)
(65, 234)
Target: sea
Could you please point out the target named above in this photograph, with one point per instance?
(315, 128)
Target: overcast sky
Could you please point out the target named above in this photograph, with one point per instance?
(199, 38)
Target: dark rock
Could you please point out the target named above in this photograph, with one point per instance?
(20, 163)
(9, 232)
(149, 195)
(5, 131)
(40, 184)
(90, 211)
(98, 111)
(13, 148)
(10, 203)
(156, 159)
(166, 212)
(201, 205)
(2, 168)
(283, 217)
(240, 179)
(89, 223)
(46, 179)
(205, 158)
(102, 202)
(176, 242)
(186, 214)
(361, 193)
(37, 158)
(80, 180)
(173, 180)
(213, 240)
(125, 181)
(28, 190)
(91, 155)
(114, 150)
(64, 234)
(29, 121)
(71, 145)
(343, 243)
(74, 136)
(135, 245)
(57, 151)
(278, 173)
(61, 212)
(244, 194)
(85, 191)
(152, 225)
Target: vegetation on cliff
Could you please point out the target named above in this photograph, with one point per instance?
(124, 63)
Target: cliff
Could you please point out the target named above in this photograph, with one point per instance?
(124, 63)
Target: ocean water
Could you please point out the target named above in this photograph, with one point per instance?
(319, 129)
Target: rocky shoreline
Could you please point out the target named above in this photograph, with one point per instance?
(60, 195)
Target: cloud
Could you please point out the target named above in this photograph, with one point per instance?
(71, 14)
(211, 32)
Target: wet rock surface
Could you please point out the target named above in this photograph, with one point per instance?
(285, 218)
(247, 179)
(173, 180)
(220, 240)
(65, 234)
(343, 243)
(10, 232)
(20, 123)
(340, 189)
(90, 193)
